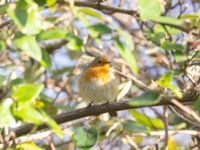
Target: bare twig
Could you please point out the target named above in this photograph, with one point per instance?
(139, 83)
(185, 117)
(186, 109)
(166, 126)
(62, 88)
(5, 24)
(132, 143)
(170, 132)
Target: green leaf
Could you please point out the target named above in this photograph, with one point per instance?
(52, 109)
(147, 121)
(3, 8)
(28, 114)
(27, 93)
(29, 45)
(52, 34)
(54, 126)
(135, 127)
(127, 39)
(165, 80)
(2, 45)
(50, 3)
(5, 113)
(27, 146)
(4, 35)
(196, 104)
(189, 16)
(74, 42)
(17, 81)
(149, 9)
(83, 19)
(85, 138)
(26, 16)
(152, 10)
(46, 60)
(40, 2)
(172, 31)
(175, 90)
(155, 37)
(180, 56)
(127, 55)
(90, 12)
(99, 28)
(167, 20)
(147, 98)
(194, 19)
(167, 45)
(2, 80)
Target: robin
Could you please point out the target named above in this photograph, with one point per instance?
(98, 84)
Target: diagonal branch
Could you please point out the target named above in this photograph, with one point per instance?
(94, 110)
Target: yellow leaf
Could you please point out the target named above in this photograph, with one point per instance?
(138, 139)
(172, 145)
(38, 104)
(28, 146)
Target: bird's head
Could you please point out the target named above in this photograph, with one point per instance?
(102, 61)
(99, 68)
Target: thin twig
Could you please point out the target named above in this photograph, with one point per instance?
(184, 116)
(132, 143)
(166, 126)
(186, 109)
(62, 88)
(5, 24)
(137, 82)
(170, 132)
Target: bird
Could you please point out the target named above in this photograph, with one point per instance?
(98, 84)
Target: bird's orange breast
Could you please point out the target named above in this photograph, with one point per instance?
(99, 72)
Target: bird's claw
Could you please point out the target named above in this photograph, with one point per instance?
(90, 104)
(106, 103)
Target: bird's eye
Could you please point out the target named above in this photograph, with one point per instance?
(99, 61)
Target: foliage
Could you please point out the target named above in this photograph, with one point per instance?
(44, 45)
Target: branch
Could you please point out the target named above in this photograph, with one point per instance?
(101, 7)
(137, 82)
(185, 109)
(50, 47)
(181, 114)
(5, 23)
(166, 127)
(94, 110)
(105, 8)
(170, 132)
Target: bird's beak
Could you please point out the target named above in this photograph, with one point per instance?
(108, 62)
